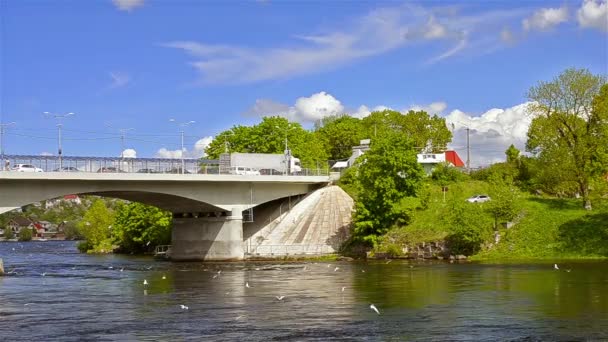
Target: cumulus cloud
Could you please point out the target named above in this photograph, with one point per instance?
(197, 151)
(129, 153)
(305, 109)
(127, 5)
(432, 108)
(364, 111)
(119, 79)
(490, 133)
(593, 14)
(378, 32)
(545, 19)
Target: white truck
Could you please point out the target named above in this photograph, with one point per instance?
(260, 164)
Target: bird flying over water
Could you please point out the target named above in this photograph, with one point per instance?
(555, 266)
(279, 297)
(373, 307)
(343, 288)
(337, 268)
(164, 277)
(145, 282)
(183, 307)
(247, 285)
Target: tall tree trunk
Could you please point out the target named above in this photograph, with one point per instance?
(585, 193)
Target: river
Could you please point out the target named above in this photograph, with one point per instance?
(58, 294)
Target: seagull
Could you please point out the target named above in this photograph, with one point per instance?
(214, 276)
(343, 288)
(362, 271)
(279, 297)
(568, 270)
(122, 269)
(373, 307)
(164, 277)
(247, 284)
(239, 317)
(389, 261)
(555, 266)
(304, 269)
(257, 268)
(148, 244)
(145, 282)
(111, 267)
(183, 307)
(337, 268)
(149, 267)
(328, 265)
(218, 272)
(43, 274)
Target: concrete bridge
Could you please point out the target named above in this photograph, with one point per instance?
(207, 209)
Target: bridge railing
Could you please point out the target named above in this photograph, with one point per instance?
(132, 165)
(284, 250)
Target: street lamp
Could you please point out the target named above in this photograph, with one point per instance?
(182, 125)
(123, 132)
(287, 152)
(2, 127)
(59, 117)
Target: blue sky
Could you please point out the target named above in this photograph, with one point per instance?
(138, 63)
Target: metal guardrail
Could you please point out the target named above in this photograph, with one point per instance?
(284, 250)
(132, 165)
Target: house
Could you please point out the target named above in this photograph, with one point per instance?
(18, 223)
(430, 160)
(358, 151)
(70, 199)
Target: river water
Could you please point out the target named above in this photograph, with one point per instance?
(55, 293)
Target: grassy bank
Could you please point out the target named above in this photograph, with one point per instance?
(546, 227)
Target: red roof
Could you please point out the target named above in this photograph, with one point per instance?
(452, 157)
(70, 197)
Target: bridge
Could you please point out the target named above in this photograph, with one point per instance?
(207, 208)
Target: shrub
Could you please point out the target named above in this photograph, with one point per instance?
(25, 234)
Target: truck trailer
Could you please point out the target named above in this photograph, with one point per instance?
(260, 164)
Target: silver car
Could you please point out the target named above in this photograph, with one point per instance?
(478, 199)
(26, 168)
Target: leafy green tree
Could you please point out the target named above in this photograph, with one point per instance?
(389, 178)
(568, 131)
(25, 234)
(445, 173)
(505, 204)
(512, 154)
(8, 233)
(96, 225)
(340, 134)
(428, 133)
(469, 226)
(140, 228)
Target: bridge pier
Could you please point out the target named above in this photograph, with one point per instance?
(207, 236)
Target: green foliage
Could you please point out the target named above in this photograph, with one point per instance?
(340, 134)
(512, 154)
(505, 204)
(140, 228)
(71, 232)
(269, 137)
(469, 226)
(348, 181)
(568, 130)
(445, 173)
(26, 234)
(8, 233)
(96, 225)
(388, 176)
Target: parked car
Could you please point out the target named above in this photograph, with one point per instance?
(109, 169)
(177, 170)
(478, 199)
(26, 168)
(146, 171)
(66, 169)
(241, 170)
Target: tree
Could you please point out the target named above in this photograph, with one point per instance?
(8, 233)
(389, 178)
(568, 131)
(269, 137)
(140, 228)
(96, 225)
(512, 154)
(428, 133)
(25, 234)
(340, 134)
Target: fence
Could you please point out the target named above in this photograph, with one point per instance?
(133, 165)
(284, 250)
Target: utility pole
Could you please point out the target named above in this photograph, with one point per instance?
(182, 125)
(123, 132)
(2, 127)
(468, 152)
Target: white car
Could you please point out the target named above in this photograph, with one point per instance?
(240, 170)
(26, 168)
(478, 199)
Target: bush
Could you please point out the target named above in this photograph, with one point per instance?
(470, 227)
(25, 234)
(8, 233)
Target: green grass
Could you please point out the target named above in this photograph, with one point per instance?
(549, 228)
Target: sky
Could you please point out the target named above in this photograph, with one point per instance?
(144, 70)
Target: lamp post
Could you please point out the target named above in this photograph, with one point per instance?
(123, 132)
(181, 132)
(59, 117)
(287, 153)
(2, 127)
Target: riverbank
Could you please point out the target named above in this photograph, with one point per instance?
(546, 228)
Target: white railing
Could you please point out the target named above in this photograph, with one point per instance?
(284, 250)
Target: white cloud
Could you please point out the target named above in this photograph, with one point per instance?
(119, 79)
(306, 109)
(491, 133)
(364, 111)
(46, 154)
(127, 5)
(129, 153)
(545, 19)
(197, 151)
(432, 108)
(594, 14)
(378, 32)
